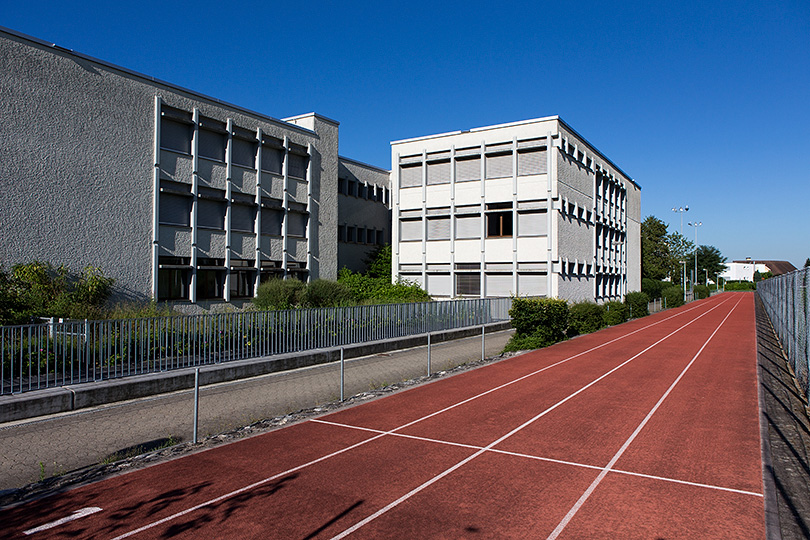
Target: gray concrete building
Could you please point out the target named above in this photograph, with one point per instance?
(176, 195)
(527, 208)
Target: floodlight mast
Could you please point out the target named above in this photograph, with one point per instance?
(681, 210)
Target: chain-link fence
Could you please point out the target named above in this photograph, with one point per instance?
(786, 302)
(46, 447)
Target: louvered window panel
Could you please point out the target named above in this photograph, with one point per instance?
(498, 284)
(212, 145)
(532, 224)
(211, 214)
(438, 173)
(532, 284)
(410, 176)
(175, 135)
(531, 162)
(297, 166)
(271, 222)
(468, 170)
(410, 230)
(175, 210)
(499, 166)
(468, 284)
(272, 158)
(297, 224)
(439, 285)
(438, 229)
(242, 217)
(468, 227)
(243, 152)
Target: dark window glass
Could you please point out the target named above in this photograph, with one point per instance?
(297, 224)
(272, 158)
(209, 284)
(242, 218)
(243, 152)
(175, 135)
(173, 284)
(242, 283)
(297, 166)
(271, 221)
(468, 284)
(175, 210)
(211, 214)
(499, 224)
(212, 144)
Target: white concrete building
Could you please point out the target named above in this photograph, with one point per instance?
(492, 212)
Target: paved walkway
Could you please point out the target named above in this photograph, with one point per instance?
(52, 445)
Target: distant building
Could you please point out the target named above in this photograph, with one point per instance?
(744, 270)
(527, 208)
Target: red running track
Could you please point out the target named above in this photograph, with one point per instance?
(644, 430)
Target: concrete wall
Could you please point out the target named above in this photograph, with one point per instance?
(360, 212)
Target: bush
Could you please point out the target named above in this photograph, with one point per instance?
(740, 286)
(673, 296)
(701, 291)
(279, 294)
(615, 313)
(370, 290)
(638, 302)
(538, 322)
(325, 293)
(584, 318)
(653, 287)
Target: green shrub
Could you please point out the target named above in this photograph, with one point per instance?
(653, 287)
(740, 286)
(279, 294)
(673, 296)
(538, 322)
(325, 293)
(638, 302)
(584, 318)
(701, 291)
(370, 290)
(615, 313)
(141, 310)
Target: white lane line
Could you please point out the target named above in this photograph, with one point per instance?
(74, 516)
(461, 463)
(276, 476)
(544, 459)
(574, 509)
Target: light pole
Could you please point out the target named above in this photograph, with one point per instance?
(695, 224)
(681, 210)
(684, 280)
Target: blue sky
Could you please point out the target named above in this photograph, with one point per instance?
(703, 103)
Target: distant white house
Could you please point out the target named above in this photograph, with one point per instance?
(744, 270)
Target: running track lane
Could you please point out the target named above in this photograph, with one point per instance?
(559, 420)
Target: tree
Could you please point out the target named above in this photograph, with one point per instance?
(709, 258)
(807, 262)
(680, 249)
(656, 259)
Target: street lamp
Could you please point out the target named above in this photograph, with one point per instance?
(684, 280)
(695, 224)
(681, 210)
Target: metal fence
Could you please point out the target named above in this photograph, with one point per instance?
(785, 300)
(60, 353)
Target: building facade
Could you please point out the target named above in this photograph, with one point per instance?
(527, 208)
(175, 195)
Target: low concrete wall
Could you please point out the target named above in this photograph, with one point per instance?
(78, 396)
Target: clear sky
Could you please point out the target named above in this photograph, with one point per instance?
(704, 104)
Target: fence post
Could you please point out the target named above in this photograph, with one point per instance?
(428, 353)
(483, 341)
(196, 403)
(342, 373)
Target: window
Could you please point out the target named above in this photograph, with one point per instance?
(351, 234)
(362, 191)
(410, 175)
(174, 275)
(297, 224)
(468, 169)
(380, 238)
(175, 134)
(271, 221)
(499, 165)
(272, 159)
(498, 284)
(438, 172)
(438, 228)
(243, 152)
(242, 273)
(532, 223)
(410, 229)
(175, 210)
(531, 161)
(297, 166)
(342, 186)
(468, 284)
(361, 235)
(352, 188)
(499, 224)
(242, 217)
(468, 227)
(341, 233)
(212, 144)
(211, 214)
(210, 284)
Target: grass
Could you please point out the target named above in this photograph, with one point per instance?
(132, 451)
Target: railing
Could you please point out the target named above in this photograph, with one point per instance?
(785, 299)
(40, 356)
